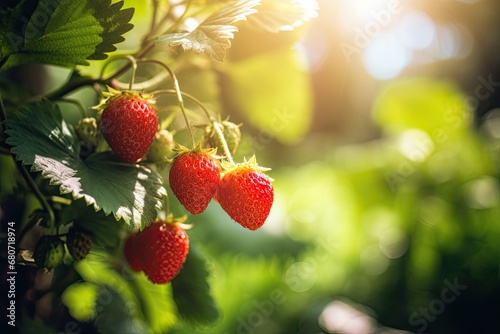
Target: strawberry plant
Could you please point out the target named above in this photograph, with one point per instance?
(96, 149)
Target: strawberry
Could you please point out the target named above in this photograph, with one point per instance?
(130, 252)
(194, 177)
(163, 247)
(49, 252)
(128, 123)
(246, 194)
(86, 129)
(78, 242)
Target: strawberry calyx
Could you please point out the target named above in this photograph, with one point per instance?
(112, 94)
(179, 221)
(181, 150)
(251, 163)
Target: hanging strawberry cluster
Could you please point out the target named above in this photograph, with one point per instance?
(128, 121)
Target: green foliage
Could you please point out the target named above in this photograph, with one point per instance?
(107, 233)
(283, 15)
(212, 36)
(42, 139)
(114, 22)
(114, 315)
(64, 33)
(80, 298)
(147, 306)
(191, 291)
(75, 181)
(383, 223)
(7, 177)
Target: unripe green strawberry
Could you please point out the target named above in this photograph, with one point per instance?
(78, 242)
(246, 194)
(49, 252)
(86, 129)
(128, 123)
(232, 135)
(162, 147)
(130, 251)
(194, 177)
(163, 247)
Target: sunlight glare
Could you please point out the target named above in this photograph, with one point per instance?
(385, 57)
(417, 30)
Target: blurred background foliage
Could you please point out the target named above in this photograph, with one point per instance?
(386, 177)
(383, 132)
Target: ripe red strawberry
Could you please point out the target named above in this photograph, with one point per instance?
(130, 253)
(246, 194)
(163, 247)
(128, 123)
(194, 177)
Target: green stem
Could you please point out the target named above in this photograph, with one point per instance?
(33, 186)
(215, 124)
(153, 18)
(41, 198)
(66, 89)
(134, 69)
(178, 21)
(60, 200)
(144, 84)
(3, 113)
(189, 96)
(229, 157)
(78, 104)
(178, 93)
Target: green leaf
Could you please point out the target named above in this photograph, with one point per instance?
(105, 234)
(156, 301)
(11, 27)
(115, 22)
(284, 15)
(212, 36)
(192, 293)
(8, 180)
(114, 314)
(80, 299)
(148, 304)
(64, 33)
(42, 139)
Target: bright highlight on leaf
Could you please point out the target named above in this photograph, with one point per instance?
(42, 139)
(212, 37)
(284, 15)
